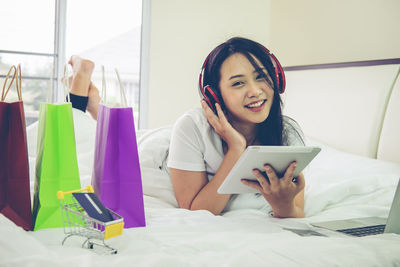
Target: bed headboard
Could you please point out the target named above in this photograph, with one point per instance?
(354, 107)
(389, 141)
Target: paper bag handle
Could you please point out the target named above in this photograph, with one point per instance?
(66, 84)
(122, 91)
(18, 82)
(103, 86)
(121, 88)
(14, 76)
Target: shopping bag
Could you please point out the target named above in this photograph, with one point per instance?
(116, 175)
(15, 197)
(56, 163)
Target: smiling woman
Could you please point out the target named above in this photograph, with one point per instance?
(247, 91)
(244, 80)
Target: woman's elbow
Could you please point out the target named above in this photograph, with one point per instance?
(184, 204)
(214, 211)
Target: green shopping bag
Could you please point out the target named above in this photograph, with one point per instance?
(56, 163)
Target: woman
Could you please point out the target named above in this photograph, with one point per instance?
(205, 145)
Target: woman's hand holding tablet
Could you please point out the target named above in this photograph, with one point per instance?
(279, 191)
(280, 163)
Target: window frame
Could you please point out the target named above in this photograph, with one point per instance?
(59, 60)
(59, 48)
(144, 66)
(58, 55)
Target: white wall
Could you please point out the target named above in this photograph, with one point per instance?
(178, 35)
(326, 31)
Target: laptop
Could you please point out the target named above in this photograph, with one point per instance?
(369, 225)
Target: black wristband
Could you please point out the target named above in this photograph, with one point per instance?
(79, 102)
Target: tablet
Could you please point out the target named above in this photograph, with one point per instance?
(279, 157)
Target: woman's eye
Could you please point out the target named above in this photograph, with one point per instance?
(237, 83)
(260, 77)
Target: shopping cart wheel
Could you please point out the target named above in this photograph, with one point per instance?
(115, 252)
(90, 245)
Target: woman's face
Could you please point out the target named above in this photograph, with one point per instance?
(246, 94)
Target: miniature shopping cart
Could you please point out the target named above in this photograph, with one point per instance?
(77, 222)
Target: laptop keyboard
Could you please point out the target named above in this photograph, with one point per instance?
(363, 231)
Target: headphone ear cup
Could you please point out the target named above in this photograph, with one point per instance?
(211, 98)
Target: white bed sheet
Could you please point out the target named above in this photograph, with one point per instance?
(339, 185)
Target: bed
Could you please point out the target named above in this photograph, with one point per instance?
(352, 113)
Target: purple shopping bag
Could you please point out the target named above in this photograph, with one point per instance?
(116, 175)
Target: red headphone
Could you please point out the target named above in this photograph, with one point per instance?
(211, 97)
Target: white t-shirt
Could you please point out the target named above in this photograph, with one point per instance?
(195, 146)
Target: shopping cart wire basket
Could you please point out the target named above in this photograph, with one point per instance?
(77, 222)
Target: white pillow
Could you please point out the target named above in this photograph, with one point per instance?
(153, 146)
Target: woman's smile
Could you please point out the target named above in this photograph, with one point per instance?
(256, 106)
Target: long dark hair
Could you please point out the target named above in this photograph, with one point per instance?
(270, 131)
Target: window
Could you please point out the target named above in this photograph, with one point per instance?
(43, 34)
(108, 33)
(28, 39)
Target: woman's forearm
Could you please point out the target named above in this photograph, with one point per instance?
(208, 198)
